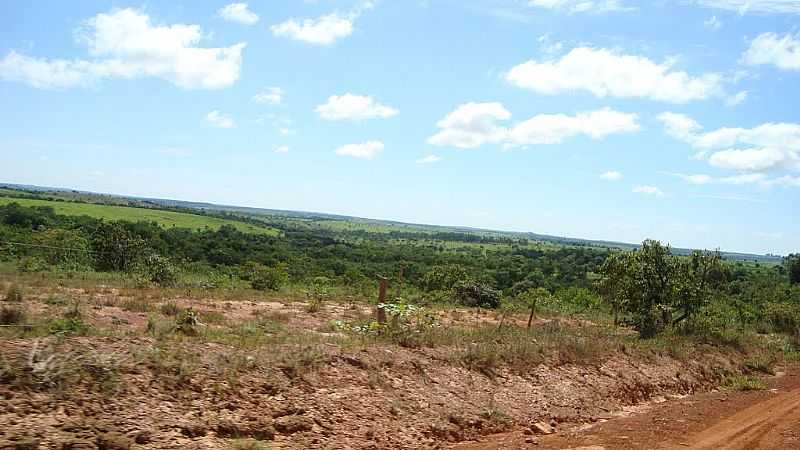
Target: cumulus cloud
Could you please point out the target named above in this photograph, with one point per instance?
(366, 150)
(608, 73)
(782, 52)
(581, 6)
(611, 175)
(554, 128)
(281, 149)
(474, 124)
(648, 190)
(323, 30)
(353, 107)
(126, 44)
(270, 96)
(220, 120)
(766, 147)
(430, 159)
(238, 12)
(471, 125)
(760, 6)
(759, 179)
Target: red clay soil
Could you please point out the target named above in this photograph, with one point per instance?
(724, 420)
(195, 394)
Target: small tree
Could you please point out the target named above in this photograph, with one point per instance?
(443, 278)
(116, 248)
(269, 278)
(793, 263)
(651, 286)
(160, 270)
(697, 275)
(474, 293)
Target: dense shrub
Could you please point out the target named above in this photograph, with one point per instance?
(269, 278)
(476, 294)
(783, 317)
(655, 289)
(443, 277)
(160, 270)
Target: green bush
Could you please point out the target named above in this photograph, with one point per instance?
(783, 317)
(476, 294)
(269, 278)
(32, 264)
(68, 326)
(443, 278)
(160, 270)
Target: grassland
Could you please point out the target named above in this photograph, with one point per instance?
(164, 218)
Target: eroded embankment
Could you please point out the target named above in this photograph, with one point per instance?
(136, 391)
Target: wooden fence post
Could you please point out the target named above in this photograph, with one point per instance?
(380, 313)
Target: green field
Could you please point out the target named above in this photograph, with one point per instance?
(163, 218)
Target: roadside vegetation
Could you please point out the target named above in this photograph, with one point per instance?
(286, 305)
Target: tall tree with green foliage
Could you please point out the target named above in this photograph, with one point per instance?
(793, 263)
(655, 289)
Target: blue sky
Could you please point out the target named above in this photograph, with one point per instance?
(618, 120)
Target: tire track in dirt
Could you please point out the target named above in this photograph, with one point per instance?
(756, 427)
(722, 420)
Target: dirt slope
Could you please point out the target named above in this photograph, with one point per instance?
(717, 420)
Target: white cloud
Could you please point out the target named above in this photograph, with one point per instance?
(712, 23)
(220, 120)
(782, 52)
(750, 160)
(238, 12)
(324, 30)
(471, 125)
(769, 146)
(736, 99)
(761, 6)
(608, 73)
(579, 6)
(281, 149)
(648, 190)
(554, 128)
(270, 96)
(679, 126)
(366, 150)
(474, 124)
(611, 175)
(749, 178)
(430, 159)
(125, 44)
(786, 181)
(353, 107)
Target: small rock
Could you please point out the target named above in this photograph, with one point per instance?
(22, 444)
(293, 424)
(193, 429)
(113, 441)
(531, 440)
(142, 437)
(78, 444)
(542, 428)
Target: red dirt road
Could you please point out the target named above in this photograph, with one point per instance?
(719, 420)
